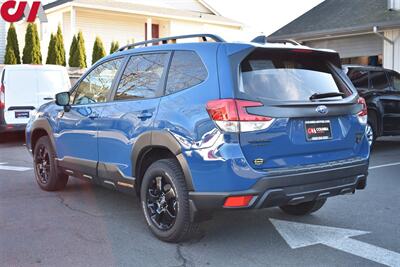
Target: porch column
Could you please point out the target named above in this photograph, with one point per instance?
(149, 29)
(391, 52)
(73, 22)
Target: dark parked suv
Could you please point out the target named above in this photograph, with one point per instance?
(198, 127)
(381, 89)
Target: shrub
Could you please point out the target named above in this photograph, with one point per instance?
(12, 55)
(59, 48)
(77, 52)
(72, 51)
(51, 51)
(81, 51)
(31, 53)
(98, 50)
(114, 47)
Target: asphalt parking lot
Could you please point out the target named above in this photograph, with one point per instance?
(86, 225)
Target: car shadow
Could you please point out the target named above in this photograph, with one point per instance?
(15, 138)
(387, 144)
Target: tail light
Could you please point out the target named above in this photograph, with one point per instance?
(2, 97)
(230, 115)
(363, 114)
(238, 201)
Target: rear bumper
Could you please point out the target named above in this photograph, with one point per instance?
(293, 186)
(7, 128)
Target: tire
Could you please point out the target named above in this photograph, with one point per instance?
(167, 211)
(44, 159)
(372, 129)
(303, 208)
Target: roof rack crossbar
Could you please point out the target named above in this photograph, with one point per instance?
(165, 40)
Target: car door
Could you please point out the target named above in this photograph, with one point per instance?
(393, 104)
(136, 101)
(76, 139)
(385, 100)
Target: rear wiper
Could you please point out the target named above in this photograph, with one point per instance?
(326, 95)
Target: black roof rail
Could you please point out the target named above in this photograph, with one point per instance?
(262, 39)
(165, 40)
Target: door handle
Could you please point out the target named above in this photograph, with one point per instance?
(145, 115)
(48, 98)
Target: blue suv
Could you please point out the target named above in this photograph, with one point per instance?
(197, 127)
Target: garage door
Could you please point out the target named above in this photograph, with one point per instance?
(355, 46)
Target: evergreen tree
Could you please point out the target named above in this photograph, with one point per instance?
(31, 53)
(114, 47)
(59, 48)
(72, 51)
(51, 52)
(12, 47)
(10, 57)
(80, 54)
(98, 50)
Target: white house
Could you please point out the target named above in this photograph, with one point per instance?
(362, 31)
(128, 21)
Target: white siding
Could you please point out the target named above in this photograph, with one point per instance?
(388, 56)
(355, 46)
(179, 27)
(3, 39)
(190, 5)
(108, 27)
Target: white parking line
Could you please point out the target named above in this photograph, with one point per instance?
(384, 165)
(13, 168)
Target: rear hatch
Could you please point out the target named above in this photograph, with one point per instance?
(26, 89)
(20, 95)
(315, 115)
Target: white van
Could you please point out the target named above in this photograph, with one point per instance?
(24, 88)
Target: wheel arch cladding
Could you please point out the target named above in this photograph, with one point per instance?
(41, 128)
(153, 146)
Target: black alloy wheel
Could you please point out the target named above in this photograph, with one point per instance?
(165, 202)
(47, 174)
(162, 203)
(42, 165)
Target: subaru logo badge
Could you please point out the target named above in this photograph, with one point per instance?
(322, 109)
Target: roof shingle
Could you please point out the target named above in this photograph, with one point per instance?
(339, 17)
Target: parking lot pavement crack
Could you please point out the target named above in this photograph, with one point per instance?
(62, 201)
(179, 254)
(180, 257)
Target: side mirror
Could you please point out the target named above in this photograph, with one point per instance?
(62, 99)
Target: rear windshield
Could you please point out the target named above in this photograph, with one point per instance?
(288, 76)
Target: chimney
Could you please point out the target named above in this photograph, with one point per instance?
(394, 5)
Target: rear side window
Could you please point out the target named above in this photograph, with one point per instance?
(288, 76)
(359, 78)
(186, 70)
(142, 77)
(379, 80)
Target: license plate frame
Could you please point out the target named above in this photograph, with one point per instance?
(318, 130)
(22, 114)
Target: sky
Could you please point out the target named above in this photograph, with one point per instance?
(263, 16)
